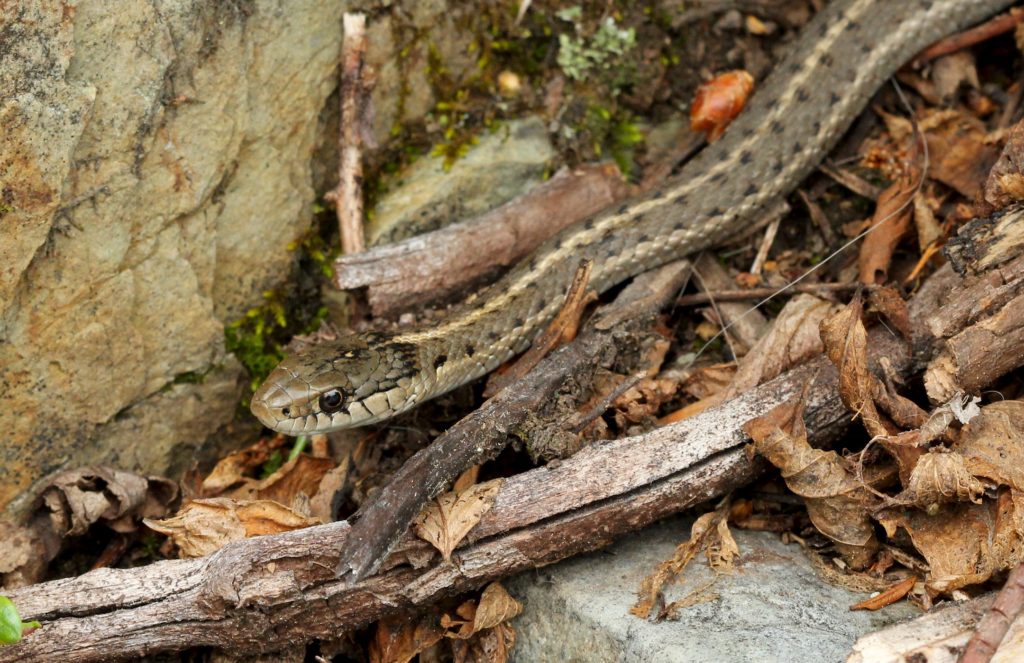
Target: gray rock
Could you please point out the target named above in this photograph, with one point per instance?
(503, 165)
(155, 164)
(772, 608)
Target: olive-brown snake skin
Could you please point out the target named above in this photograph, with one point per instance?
(841, 58)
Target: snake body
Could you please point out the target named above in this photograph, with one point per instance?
(841, 58)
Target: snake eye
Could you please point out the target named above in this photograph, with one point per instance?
(330, 401)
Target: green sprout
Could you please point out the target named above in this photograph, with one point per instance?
(11, 627)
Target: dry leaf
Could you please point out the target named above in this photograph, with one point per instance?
(952, 71)
(718, 102)
(894, 593)
(940, 477)
(481, 632)
(709, 380)
(929, 231)
(959, 155)
(206, 525)
(397, 640)
(837, 503)
(1005, 183)
(233, 468)
(78, 498)
(710, 533)
(490, 646)
(321, 505)
(890, 222)
(299, 476)
(845, 341)
(992, 444)
(793, 339)
(448, 519)
(496, 606)
(466, 480)
(964, 543)
(889, 303)
(643, 400)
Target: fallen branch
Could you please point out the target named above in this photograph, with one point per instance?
(259, 595)
(992, 629)
(936, 637)
(750, 294)
(435, 266)
(348, 197)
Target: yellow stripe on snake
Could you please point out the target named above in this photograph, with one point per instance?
(841, 58)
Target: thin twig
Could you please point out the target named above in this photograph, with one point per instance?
(349, 195)
(740, 295)
(766, 245)
(979, 33)
(993, 626)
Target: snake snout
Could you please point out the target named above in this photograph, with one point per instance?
(271, 405)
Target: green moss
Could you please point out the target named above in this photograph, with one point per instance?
(257, 339)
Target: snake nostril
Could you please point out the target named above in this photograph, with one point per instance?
(286, 412)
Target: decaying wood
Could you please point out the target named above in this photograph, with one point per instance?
(264, 593)
(988, 242)
(995, 624)
(438, 265)
(936, 637)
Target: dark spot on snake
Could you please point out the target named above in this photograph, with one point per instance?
(717, 177)
(533, 264)
(492, 336)
(623, 209)
(746, 157)
(470, 351)
(558, 242)
(796, 66)
(439, 361)
(816, 126)
(658, 194)
(681, 200)
(866, 48)
(588, 224)
(518, 322)
(777, 167)
(822, 29)
(802, 95)
(748, 132)
(776, 127)
(532, 285)
(717, 211)
(834, 98)
(751, 190)
(826, 60)
(852, 26)
(644, 238)
(798, 147)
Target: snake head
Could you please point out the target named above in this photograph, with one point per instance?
(357, 380)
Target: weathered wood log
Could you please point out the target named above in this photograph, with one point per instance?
(436, 266)
(936, 637)
(261, 594)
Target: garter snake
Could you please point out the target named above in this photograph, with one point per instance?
(809, 100)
